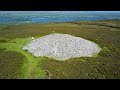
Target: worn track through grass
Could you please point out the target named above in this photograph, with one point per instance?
(105, 65)
(30, 64)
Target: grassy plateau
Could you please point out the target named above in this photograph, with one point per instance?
(16, 63)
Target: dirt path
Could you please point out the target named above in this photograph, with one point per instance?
(30, 67)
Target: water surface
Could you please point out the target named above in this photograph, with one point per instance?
(16, 17)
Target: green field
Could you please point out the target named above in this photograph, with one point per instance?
(15, 63)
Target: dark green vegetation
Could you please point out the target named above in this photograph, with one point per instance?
(10, 64)
(106, 33)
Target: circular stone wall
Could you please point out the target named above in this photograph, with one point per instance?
(62, 47)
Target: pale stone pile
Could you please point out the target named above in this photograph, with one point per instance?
(62, 47)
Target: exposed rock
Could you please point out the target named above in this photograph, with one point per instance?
(62, 47)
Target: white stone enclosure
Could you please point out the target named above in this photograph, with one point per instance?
(62, 47)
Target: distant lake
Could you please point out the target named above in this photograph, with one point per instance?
(55, 16)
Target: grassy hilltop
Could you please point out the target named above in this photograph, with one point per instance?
(15, 63)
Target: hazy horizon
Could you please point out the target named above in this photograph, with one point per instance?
(55, 16)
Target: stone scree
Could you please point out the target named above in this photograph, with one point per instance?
(62, 47)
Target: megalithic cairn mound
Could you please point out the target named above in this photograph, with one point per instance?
(62, 47)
